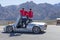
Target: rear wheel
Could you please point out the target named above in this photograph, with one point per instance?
(36, 30)
(9, 29)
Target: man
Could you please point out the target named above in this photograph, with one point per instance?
(22, 12)
(30, 15)
(23, 16)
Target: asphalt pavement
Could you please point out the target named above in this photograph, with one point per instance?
(52, 33)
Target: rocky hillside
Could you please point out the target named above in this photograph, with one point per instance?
(42, 11)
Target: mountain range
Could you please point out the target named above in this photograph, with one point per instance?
(42, 11)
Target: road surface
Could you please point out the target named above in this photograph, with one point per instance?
(52, 33)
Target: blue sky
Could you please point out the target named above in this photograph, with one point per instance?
(17, 2)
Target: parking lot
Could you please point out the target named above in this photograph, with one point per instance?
(52, 33)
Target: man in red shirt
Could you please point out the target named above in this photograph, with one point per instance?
(30, 15)
(23, 16)
(22, 12)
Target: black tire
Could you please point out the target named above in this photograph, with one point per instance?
(36, 30)
(9, 29)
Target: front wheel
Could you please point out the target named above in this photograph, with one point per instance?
(9, 29)
(36, 30)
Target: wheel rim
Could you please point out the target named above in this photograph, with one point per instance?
(36, 30)
(9, 29)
